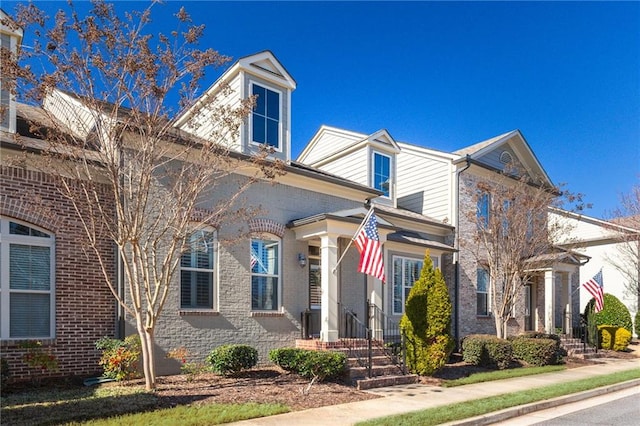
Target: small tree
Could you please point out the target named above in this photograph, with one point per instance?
(111, 147)
(426, 323)
(512, 237)
(626, 257)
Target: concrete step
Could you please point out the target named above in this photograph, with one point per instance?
(378, 382)
(376, 360)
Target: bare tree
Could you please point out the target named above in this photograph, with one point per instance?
(107, 87)
(626, 257)
(513, 237)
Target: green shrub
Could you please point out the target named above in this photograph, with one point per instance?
(614, 313)
(426, 323)
(487, 351)
(534, 351)
(322, 365)
(615, 338)
(637, 323)
(231, 359)
(560, 351)
(120, 358)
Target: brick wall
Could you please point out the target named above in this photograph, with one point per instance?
(84, 306)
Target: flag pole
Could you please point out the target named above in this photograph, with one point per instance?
(333, 271)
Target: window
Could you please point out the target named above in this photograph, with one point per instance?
(266, 117)
(382, 173)
(482, 292)
(482, 212)
(197, 267)
(406, 271)
(265, 274)
(27, 300)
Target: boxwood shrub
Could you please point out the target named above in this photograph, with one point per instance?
(534, 351)
(614, 313)
(637, 323)
(231, 359)
(487, 351)
(616, 338)
(322, 365)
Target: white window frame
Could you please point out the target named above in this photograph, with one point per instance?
(6, 239)
(487, 291)
(213, 271)
(278, 276)
(373, 172)
(279, 148)
(403, 258)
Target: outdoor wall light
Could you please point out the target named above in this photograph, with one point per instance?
(302, 260)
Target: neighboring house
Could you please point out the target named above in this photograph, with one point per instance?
(612, 248)
(438, 185)
(254, 291)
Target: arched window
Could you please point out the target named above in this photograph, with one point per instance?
(27, 286)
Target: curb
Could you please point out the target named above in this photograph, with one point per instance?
(521, 410)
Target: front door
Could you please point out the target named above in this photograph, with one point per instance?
(528, 308)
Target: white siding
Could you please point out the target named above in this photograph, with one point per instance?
(205, 122)
(77, 117)
(327, 144)
(424, 185)
(352, 166)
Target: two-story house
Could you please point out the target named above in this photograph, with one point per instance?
(439, 185)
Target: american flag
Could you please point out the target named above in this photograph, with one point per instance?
(596, 289)
(368, 244)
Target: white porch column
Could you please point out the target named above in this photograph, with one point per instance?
(549, 301)
(329, 314)
(375, 295)
(568, 316)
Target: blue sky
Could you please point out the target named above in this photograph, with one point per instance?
(449, 74)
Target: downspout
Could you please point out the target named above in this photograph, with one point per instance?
(456, 317)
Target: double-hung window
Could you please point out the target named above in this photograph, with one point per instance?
(266, 117)
(482, 292)
(27, 297)
(197, 271)
(482, 210)
(381, 173)
(265, 274)
(406, 271)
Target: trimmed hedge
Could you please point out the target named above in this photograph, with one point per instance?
(535, 351)
(637, 323)
(614, 313)
(616, 338)
(322, 365)
(231, 359)
(487, 351)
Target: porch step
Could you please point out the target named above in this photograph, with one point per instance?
(377, 360)
(356, 373)
(576, 348)
(382, 381)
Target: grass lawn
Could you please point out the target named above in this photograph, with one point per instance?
(464, 410)
(502, 374)
(116, 405)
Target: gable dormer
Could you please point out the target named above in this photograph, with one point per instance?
(509, 153)
(269, 124)
(366, 159)
(10, 40)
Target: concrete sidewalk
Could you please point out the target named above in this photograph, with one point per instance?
(406, 398)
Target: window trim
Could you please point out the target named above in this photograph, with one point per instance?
(6, 239)
(434, 259)
(213, 272)
(372, 173)
(278, 276)
(280, 93)
(487, 292)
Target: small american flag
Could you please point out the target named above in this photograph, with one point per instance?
(368, 244)
(596, 289)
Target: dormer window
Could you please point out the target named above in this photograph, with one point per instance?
(381, 170)
(266, 117)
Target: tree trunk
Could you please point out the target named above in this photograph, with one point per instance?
(147, 344)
